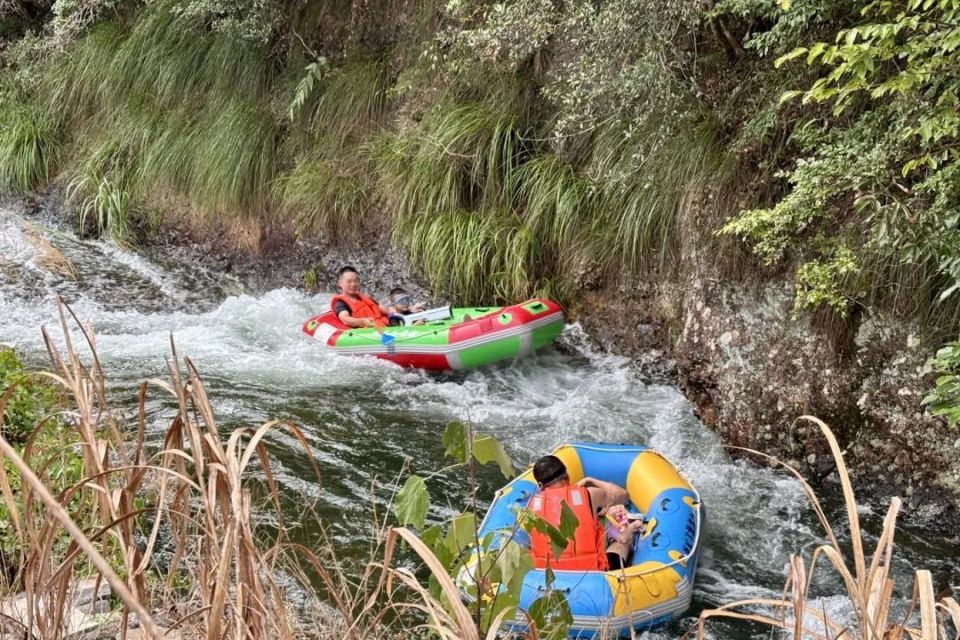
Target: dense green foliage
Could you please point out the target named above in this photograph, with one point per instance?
(944, 399)
(29, 398)
(877, 171)
(30, 421)
(519, 147)
(180, 100)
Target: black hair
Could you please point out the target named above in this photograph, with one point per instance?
(346, 269)
(548, 469)
(397, 291)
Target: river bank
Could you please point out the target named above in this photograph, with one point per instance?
(733, 347)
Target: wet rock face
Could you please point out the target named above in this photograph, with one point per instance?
(283, 260)
(637, 326)
(751, 370)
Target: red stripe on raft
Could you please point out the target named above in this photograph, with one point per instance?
(429, 361)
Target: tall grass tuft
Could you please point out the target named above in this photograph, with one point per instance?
(476, 256)
(868, 585)
(462, 157)
(233, 155)
(82, 84)
(329, 188)
(175, 60)
(319, 198)
(557, 203)
(644, 189)
(103, 204)
(351, 103)
(188, 109)
(29, 147)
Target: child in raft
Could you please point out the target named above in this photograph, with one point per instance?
(401, 304)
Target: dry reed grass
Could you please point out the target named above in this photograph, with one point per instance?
(868, 584)
(220, 579)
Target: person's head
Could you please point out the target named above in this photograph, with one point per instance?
(549, 470)
(401, 299)
(348, 280)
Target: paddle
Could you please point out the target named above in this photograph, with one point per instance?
(385, 338)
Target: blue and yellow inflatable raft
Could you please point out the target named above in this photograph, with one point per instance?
(657, 586)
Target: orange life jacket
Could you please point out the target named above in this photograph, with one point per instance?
(360, 307)
(587, 550)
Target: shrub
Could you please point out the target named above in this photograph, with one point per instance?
(29, 399)
(321, 199)
(29, 147)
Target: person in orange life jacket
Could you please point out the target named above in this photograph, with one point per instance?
(589, 499)
(352, 307)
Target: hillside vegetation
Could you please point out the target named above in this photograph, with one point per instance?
(520, 147)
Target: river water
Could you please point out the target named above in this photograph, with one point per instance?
(366, 420)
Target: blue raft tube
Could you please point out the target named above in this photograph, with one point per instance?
(655, 588)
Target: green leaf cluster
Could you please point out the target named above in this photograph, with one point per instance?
(878, 169)
(30, 398)
(944, 399)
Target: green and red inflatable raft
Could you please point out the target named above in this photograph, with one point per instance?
(471, 337)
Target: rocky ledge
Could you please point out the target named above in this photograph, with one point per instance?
(751, 369)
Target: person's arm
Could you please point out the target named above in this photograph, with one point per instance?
(355, 323)
(383, 309)
(604, 494)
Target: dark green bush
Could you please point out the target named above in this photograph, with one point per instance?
(30, 398)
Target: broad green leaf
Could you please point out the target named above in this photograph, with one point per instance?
(949, 292)
(456, 441)
(568, 522)
(549, 577)
(786, 96)
(461, 533)
(551, 614)
(488, 449)
(787, 57)
(513, 561)
(815, 51)
(412, 502)
(431, 537)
